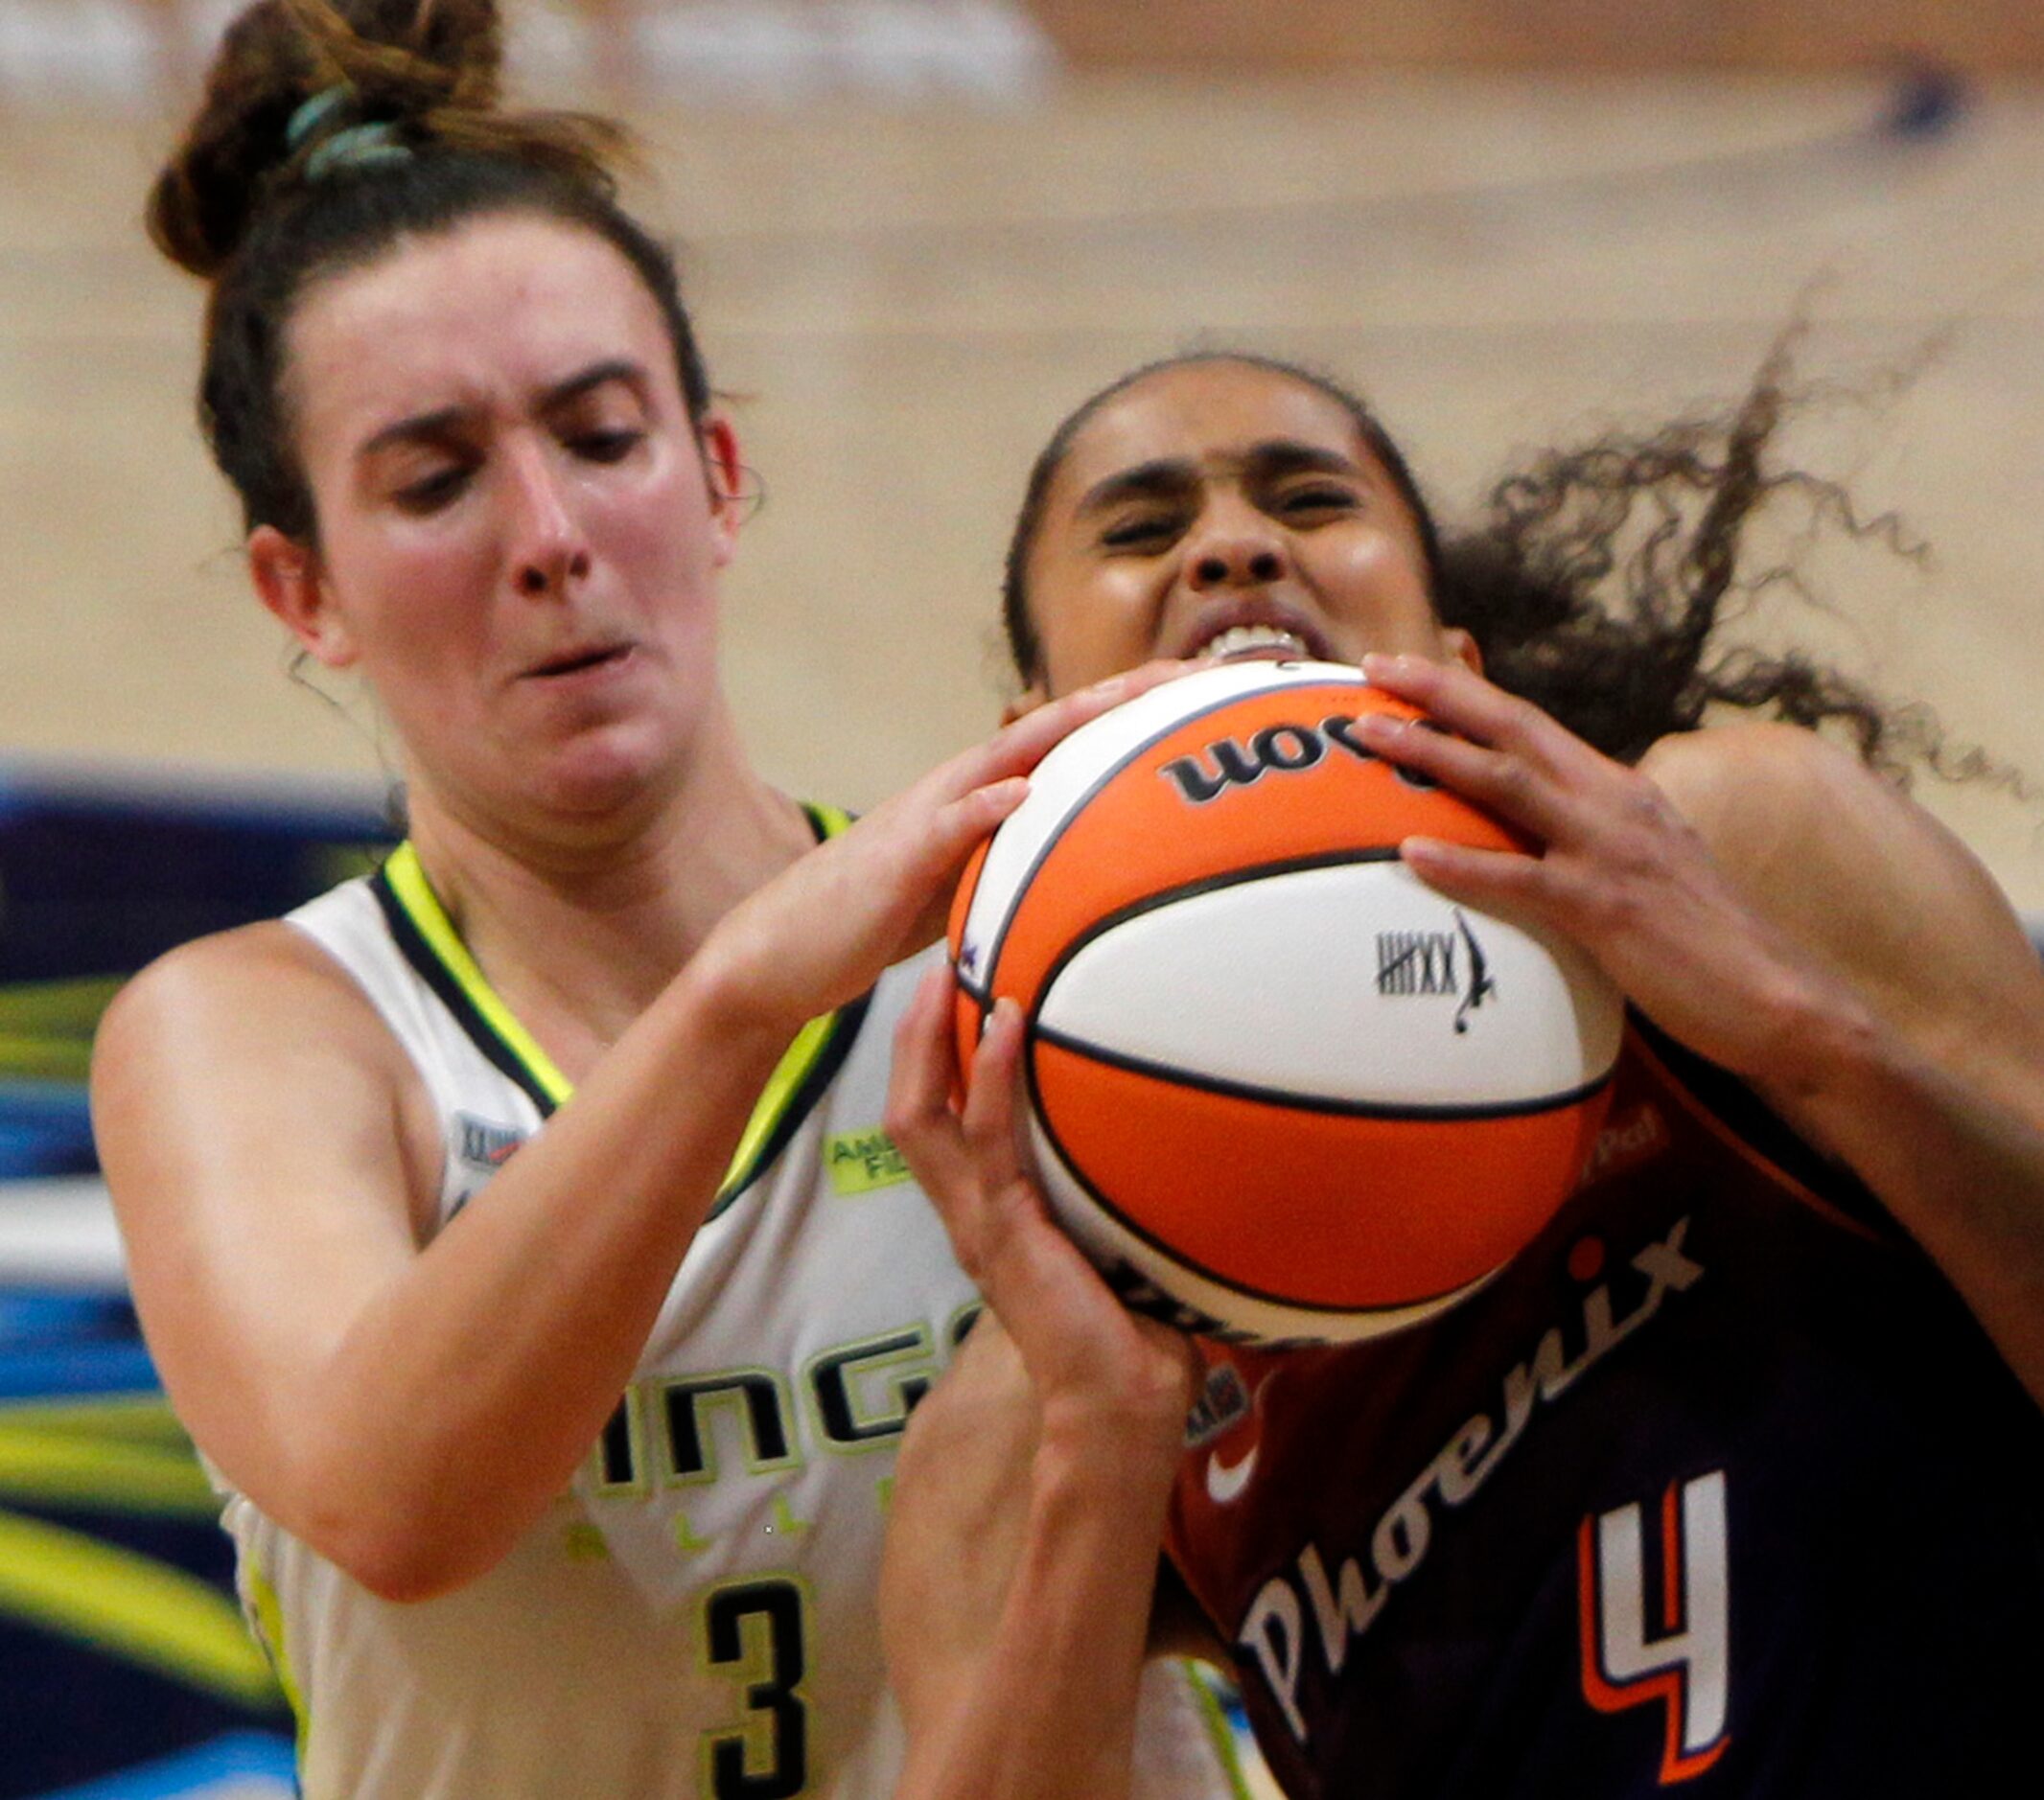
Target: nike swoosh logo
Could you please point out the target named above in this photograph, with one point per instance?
(1225, 1481)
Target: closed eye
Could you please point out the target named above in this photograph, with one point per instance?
(608, 445)
(1317, 497)
(1145, 531)
(429, 492)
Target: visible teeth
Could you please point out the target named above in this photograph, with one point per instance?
(1240, 639)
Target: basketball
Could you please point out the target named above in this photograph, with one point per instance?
(1278, 1088)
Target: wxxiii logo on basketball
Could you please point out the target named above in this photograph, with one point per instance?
(1277, 749)
(1420, 965)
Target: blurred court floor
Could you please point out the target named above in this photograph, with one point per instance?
(904, 300)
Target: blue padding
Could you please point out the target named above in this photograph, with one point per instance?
(55, 1344)
(226, 1765)
(104, 873)
(33, 1316)
(89, 1368)
(45, 1130)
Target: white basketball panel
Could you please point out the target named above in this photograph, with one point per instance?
(1350, 983)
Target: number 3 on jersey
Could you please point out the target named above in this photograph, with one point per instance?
(753, 1630)
(1687, 1664)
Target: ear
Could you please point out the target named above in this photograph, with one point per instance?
(725, 468)
(1460, 647)
(1026, 702)
(288, 581)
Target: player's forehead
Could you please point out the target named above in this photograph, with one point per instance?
(1214, 416)
(506, 304)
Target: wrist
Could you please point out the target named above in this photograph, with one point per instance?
(728, 985)
(1821, 1038)
(736, 984)
(1091, 1444)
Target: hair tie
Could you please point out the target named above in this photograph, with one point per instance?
(357, 147)
(314, 113)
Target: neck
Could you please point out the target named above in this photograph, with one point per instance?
(579, 921)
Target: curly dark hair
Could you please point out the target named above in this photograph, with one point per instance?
(247, 202)
(1595, 579)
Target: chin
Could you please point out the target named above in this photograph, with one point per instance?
(610, 768)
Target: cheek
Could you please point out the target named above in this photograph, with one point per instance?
(1095, 623)
(418, 615)
(1380, 578)
(664, 537)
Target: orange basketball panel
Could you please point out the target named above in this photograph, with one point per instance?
(1322, 1208)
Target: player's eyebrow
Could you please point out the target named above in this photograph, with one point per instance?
(611, 369)
(1286, 456)
(425, 428)
(1161, 475)
(1166, 476)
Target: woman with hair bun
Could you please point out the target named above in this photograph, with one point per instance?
(395, 1280)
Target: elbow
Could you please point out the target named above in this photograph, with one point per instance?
(386, 1507)
(403, 1548)
(405, 1562)
(405, 1574)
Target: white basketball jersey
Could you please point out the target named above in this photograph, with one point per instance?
(696, 1616)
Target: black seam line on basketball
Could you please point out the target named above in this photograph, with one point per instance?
(1078, 806)
(1205, 885)
(1226, 1281)
(1293, 1102)
(1762, 1130)
(411, 944)
(981, 998)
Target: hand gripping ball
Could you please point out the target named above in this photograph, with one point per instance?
(1278, 1087)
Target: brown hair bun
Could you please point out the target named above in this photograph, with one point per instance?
(428, 66)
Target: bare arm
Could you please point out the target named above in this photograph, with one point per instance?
(383, 1402)
(1785, 914)
(1029, 1504)
(409, 1411)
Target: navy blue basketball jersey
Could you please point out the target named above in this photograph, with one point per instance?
(1717, 1488)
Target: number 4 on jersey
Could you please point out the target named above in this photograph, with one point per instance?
(1687, 1664)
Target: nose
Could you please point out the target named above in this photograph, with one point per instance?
(546, 548)
(1236, 546)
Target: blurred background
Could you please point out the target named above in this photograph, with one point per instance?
(914, 233)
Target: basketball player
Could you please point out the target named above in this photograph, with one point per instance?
(395, 1282)
(1727, 1485)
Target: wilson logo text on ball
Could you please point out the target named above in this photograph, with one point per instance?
(1283, 749)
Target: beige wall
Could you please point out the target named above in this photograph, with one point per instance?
(910, 299)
